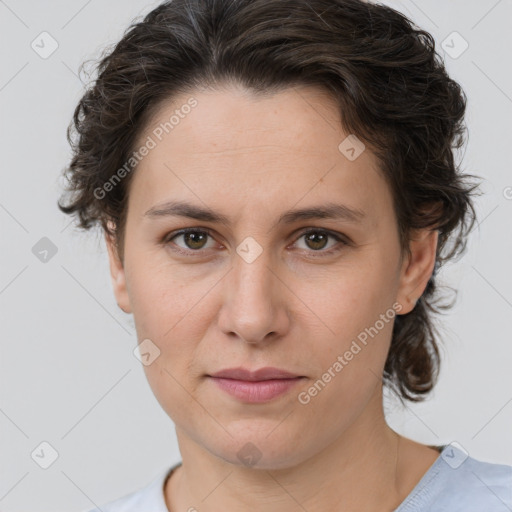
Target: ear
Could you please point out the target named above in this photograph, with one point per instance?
(117, 275)
(417, 267)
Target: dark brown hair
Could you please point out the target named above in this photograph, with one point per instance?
(391, 87)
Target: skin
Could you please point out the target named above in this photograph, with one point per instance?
(292, 307)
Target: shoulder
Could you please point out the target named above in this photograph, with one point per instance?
(127, 503)
(457, 482)
(466, 483)
(149, 498)
(483, 483)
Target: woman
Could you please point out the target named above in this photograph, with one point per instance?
(277, 187)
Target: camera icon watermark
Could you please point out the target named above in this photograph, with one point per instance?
(44, 45)
(454, 454)
(249, 250)
(249, 454)
(351, 147)
(507, 193)
(146, 352)
(44, 455)
(44, 250)
(454, 45)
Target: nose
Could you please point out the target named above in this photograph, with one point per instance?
(254, 301)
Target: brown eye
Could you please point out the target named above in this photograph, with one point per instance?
(192, 239)
(316, 240)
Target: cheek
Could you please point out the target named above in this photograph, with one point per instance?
(174, 318)
(174, 392)
(347, 300)
(174, 321)
(351, 328)
(162, 295)
(174, 313)
(350, 365)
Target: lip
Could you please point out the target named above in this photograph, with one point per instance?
(257, 386)
(266, 373)
(256, 391)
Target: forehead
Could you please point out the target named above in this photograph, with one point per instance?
(233, 147)
(232, 119)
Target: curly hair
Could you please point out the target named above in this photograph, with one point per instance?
(387, 79)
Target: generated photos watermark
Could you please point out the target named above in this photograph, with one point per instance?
(304, 397)
(150, 143)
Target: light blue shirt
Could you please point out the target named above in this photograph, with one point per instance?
(454, 483)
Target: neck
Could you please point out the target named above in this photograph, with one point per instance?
(365, 468)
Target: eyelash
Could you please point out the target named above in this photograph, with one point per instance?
(191, 252)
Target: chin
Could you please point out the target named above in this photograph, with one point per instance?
(261, 450)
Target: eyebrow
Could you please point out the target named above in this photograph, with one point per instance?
(326, 211)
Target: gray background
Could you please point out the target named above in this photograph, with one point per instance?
(67, 369)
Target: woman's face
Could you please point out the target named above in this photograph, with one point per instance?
(253, 290)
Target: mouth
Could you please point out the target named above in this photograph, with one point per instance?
(256, 391)
(257, 386)
(266, 373)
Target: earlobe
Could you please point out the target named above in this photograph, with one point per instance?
(417, 268)
(117, 275)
